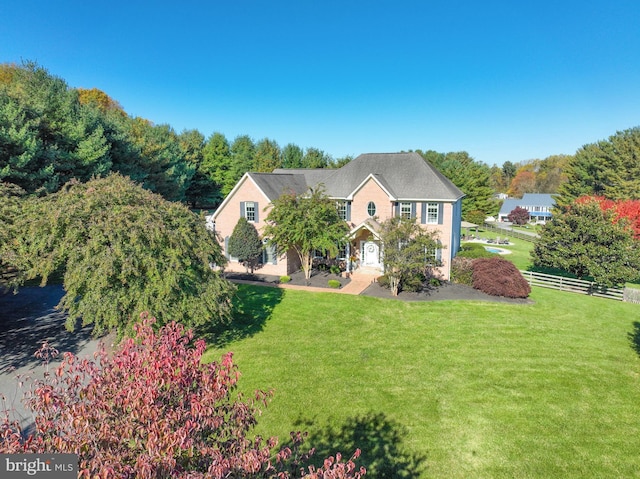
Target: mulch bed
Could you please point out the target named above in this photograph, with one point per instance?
(446, 291)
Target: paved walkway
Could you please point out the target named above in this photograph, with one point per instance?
(356, 286)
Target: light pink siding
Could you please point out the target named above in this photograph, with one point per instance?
(370, 191)
(227, 218)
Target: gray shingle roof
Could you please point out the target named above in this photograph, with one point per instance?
(406, 176)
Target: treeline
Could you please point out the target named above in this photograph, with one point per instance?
(51, 133)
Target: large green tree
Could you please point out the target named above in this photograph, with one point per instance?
(122, 250)
(471, 176)
(242, 154)
(409, 250)
(305, 223)
(608, 168)
(10, 207)
(292, 156)
(47, 136)
(588, 242)
(267, 156)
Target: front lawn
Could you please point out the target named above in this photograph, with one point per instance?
(450, 389)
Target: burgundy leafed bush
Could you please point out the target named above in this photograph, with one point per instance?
(152, 409)
(499, 277)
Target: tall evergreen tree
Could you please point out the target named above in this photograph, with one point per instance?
(608, 168)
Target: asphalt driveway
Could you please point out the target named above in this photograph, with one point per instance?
(26, 320)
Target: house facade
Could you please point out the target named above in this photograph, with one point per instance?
(539, 206)
(368, 190)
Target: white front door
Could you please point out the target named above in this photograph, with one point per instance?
(370, 254)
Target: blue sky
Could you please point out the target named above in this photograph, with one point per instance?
(503, 80)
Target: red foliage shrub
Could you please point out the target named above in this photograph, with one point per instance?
(152, 409)
(499, 277)
(518, 216)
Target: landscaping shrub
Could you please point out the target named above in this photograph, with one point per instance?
(334, 283)
(384, 281)
(335, 269)
(153, 409)
(285, 279)
(474, 250)
(499, 277)
(413, 283)
(462, 270)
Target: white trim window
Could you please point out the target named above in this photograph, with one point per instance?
(432, 213)
(405, 210)
(371, 209)
(250, 211)
(342, 210)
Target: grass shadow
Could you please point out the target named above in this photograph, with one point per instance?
(379, 439)
(634, 337)
(252, 308)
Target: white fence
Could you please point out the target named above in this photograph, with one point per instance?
(580, 286)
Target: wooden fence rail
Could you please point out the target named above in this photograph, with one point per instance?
(579, 286)
(510, 232)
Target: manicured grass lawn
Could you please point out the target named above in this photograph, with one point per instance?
(449, 389)
(520, 249)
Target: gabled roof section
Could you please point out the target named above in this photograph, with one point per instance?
(369, 224)
(538, 199)
(273, 185)
(405, 175)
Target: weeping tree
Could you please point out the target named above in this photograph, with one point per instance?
(121, 250)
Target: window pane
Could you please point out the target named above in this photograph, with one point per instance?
(432, 212)
(250, 211)
(371, 208)
(405, 210)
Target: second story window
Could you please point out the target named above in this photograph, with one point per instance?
(432, 213)
(342, 210)
(405, 210)
(250, 211)
(371, 208)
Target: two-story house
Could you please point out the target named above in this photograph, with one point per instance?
(539, 206)
(368, 190)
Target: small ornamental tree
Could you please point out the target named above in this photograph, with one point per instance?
(305, 223)
(499, 277)
(245, 244)
(408, 250)
(518, 216)
(152, 409)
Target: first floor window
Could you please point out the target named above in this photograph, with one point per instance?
(268, 253)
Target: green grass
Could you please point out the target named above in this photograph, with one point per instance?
(520, 249)
(450, 389)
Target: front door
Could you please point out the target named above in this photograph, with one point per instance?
(370, 254)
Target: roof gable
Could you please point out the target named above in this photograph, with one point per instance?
(407, 176)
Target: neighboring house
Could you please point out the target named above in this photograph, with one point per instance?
(368, 190)
(539, 206)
